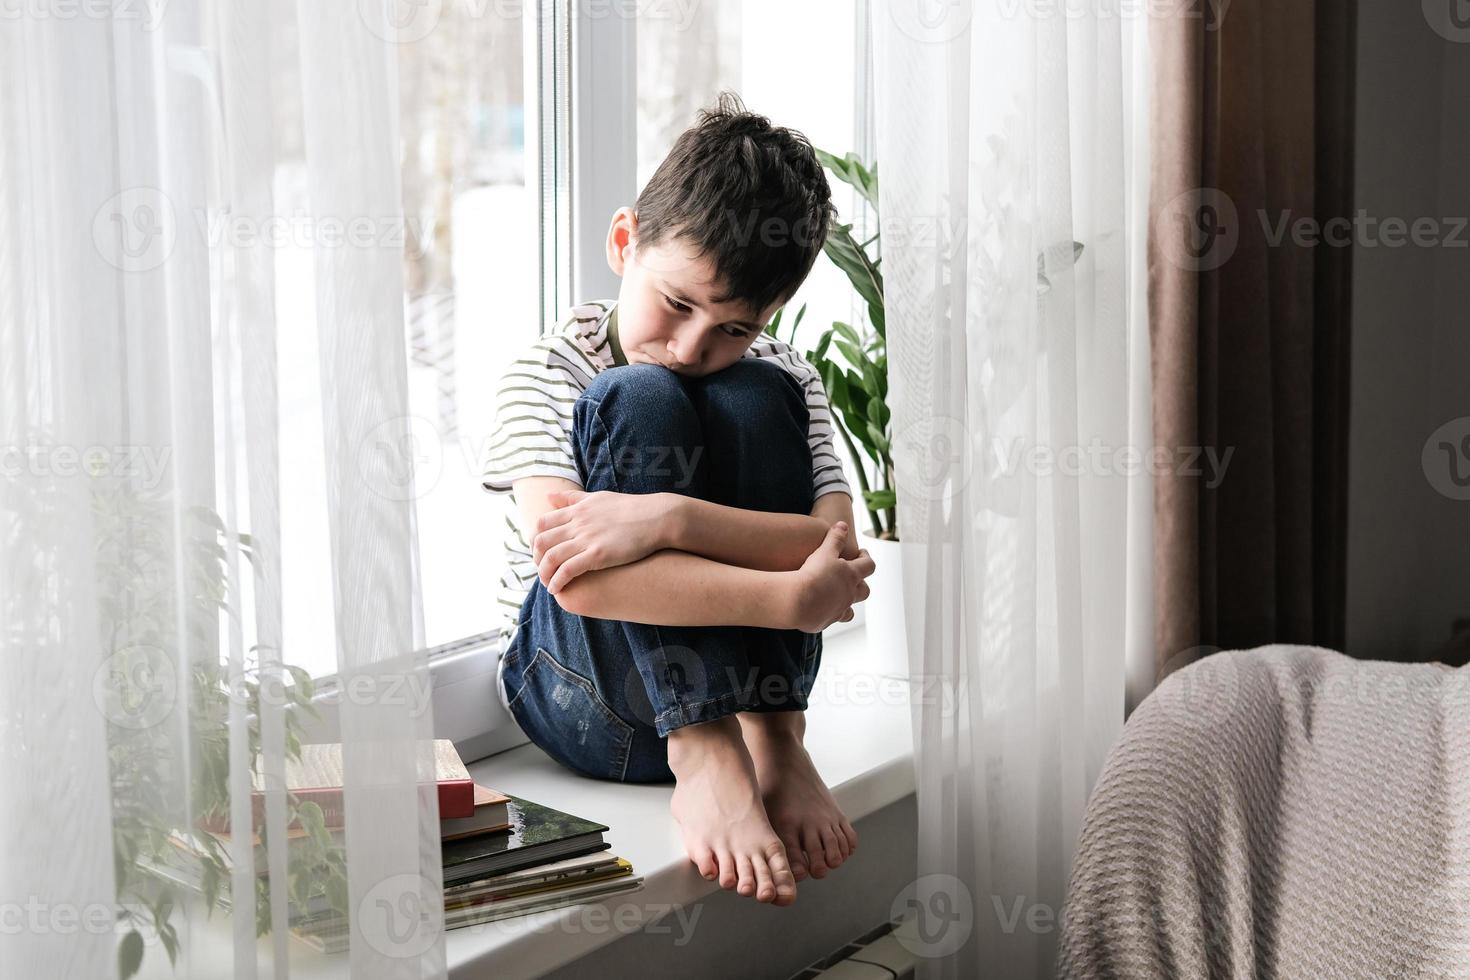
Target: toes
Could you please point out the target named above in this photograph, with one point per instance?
(782, 880)
(728, 876)
(709, 867)
(746, 886)
(850, 834)
(811, 842)
(832, 852)
(795, 859)
(765, 886)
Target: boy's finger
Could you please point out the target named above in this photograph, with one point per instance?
(837, 536)
(569, 570)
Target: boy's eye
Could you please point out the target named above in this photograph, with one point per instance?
(737, 333)
(680, 307)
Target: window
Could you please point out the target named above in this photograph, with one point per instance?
(472, 297)
(521, 136)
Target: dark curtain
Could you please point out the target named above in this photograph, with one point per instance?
(1252, 136)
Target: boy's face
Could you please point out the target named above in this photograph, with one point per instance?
(665, 315)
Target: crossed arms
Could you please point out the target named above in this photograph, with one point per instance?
(673, 560)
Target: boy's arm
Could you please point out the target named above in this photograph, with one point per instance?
(758, 539)
(675, 588)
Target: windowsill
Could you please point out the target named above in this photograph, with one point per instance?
(858, 733)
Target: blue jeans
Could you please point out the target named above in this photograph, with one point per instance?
(601, 695)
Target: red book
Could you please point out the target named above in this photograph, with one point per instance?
(317, 778)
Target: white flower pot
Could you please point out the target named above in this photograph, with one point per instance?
(886, 633)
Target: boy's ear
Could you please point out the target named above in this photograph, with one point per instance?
(621, 235)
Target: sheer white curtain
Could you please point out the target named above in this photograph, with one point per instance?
(1004, 136)
(157, 162)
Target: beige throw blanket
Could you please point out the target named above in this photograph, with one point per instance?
(1281, 812)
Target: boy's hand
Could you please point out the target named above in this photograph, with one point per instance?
(603, 529)
(828, 584)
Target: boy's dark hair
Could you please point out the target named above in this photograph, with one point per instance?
(750, 196)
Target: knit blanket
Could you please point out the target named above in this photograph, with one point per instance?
(1283, 812)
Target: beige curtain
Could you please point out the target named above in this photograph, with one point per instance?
(1252, 133)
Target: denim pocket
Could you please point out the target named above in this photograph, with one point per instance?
(561, 711)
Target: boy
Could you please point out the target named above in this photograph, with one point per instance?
(685, 517)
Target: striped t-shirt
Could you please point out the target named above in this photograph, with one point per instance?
(532, 434)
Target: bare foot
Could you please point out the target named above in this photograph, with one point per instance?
(817, 836)
(718, 805)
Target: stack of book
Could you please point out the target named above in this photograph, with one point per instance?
(502, 855)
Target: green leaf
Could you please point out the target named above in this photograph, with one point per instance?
(880, 499)
(848, 333)
(212, 881)
(852, 353)
(170, 940)
(337, 893)
(820, 352)
(878, 438)
(129, 954)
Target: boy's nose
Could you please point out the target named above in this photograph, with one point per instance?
(684, 350)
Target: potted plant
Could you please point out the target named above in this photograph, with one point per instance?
(853, 363)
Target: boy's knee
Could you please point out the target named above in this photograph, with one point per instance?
(761, 395)
(648, 394)
(635, 382)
